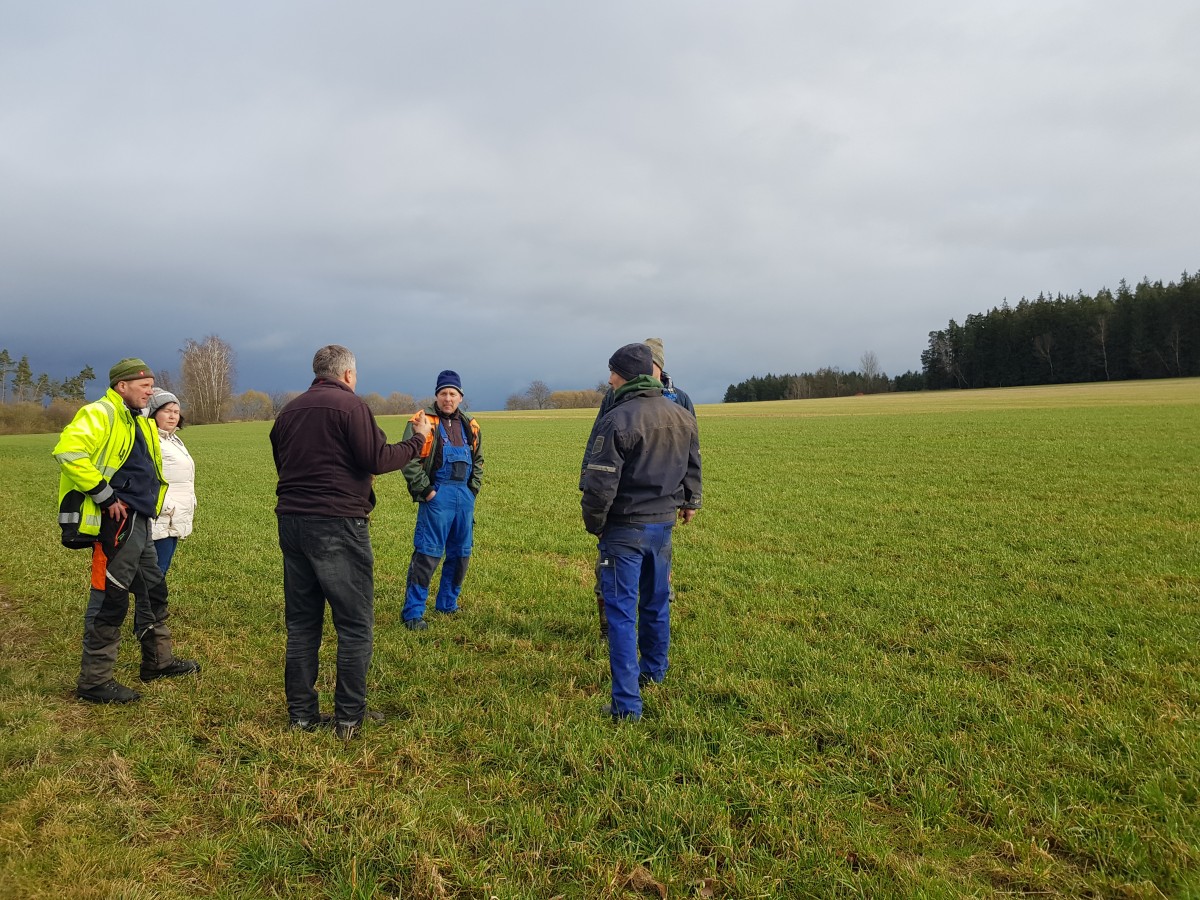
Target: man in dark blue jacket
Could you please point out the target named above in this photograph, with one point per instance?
(643, 470)
(672, 393)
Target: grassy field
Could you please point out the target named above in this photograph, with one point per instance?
(924, 645)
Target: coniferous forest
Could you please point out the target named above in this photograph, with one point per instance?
(1150, 331)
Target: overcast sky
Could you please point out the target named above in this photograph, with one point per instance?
(514, 189)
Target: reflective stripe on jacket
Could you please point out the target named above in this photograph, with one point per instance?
(643, 462)
(93, 447)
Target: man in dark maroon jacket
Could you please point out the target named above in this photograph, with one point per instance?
(328, 450)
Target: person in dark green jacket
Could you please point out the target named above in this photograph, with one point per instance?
(445, 480)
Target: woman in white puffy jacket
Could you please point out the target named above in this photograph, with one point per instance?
(174, 522)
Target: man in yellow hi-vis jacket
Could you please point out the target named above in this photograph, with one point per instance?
(110, 488)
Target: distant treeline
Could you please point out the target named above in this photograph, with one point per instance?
(826, 382)
(1151, 331)
(33, 403)
(18, 383)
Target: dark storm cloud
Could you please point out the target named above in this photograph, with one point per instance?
(516, 189)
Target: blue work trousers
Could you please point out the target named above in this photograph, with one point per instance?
(635, 577)
(445, 527)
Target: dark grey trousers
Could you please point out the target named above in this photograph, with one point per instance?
(327, 559)
(124, 562)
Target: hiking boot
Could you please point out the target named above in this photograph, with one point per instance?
(415, 624)
(112, 691)
(644, 680)
(347, 730)
(322, 721)
(174, 670)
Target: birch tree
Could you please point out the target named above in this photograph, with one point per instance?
(206, 375)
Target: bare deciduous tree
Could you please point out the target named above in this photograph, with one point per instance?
(588, 399)
(206, 373)
(394, 404)
(280, 399)
(539, 396)
(828, 381)
(869, 365)
(250, 406)
(375, 403)
(400, 404)
(799, 388)
(1043, 346)
(1100, 332)
(6, 366)
(1175, 344)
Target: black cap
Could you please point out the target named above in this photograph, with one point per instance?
(631, 361)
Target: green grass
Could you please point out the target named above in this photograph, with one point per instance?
(930, 645)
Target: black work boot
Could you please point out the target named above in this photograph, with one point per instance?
(324, 720)
(158, 655)
(100, 645)
(348, 730)
(176, 668)
(112, 691)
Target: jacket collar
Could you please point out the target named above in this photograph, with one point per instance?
(119, 403)
(640, 384)
(434, 413)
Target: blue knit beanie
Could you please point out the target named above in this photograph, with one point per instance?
(449, 378)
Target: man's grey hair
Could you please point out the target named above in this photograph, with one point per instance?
(332, 361)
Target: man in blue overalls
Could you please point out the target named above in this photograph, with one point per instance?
(444, 480)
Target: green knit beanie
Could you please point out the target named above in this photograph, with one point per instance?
(128, 370)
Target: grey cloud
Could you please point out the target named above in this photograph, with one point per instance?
(516, 189)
